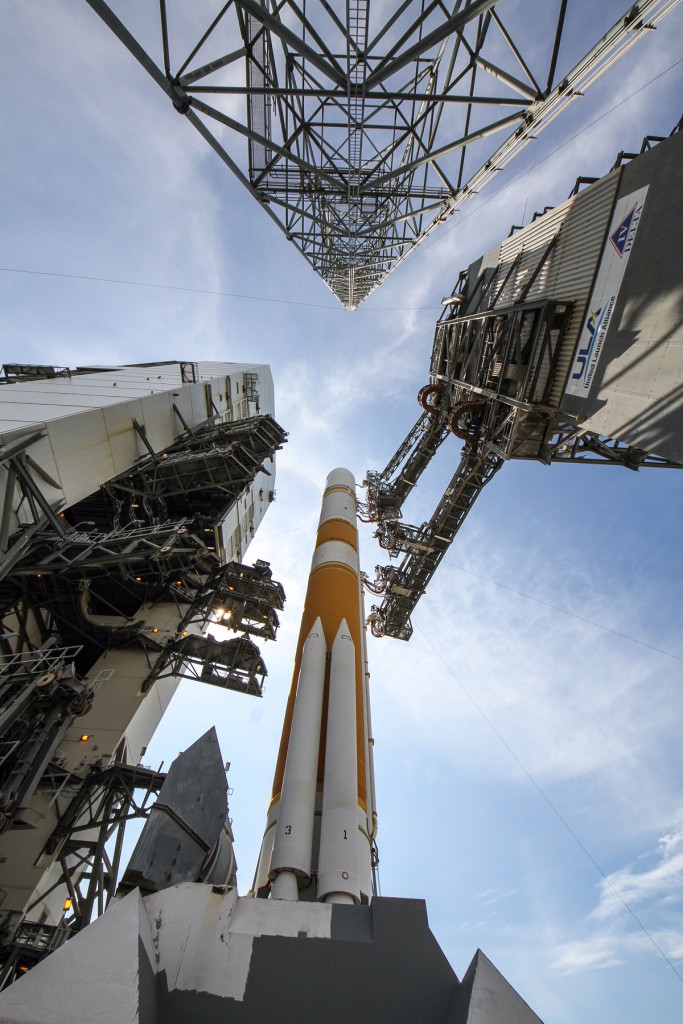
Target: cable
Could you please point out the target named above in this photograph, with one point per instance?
(338, 308)
(564, 611)
(165, 287)
(549, 802)
(295, 529)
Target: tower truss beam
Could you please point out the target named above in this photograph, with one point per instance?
(358, 137)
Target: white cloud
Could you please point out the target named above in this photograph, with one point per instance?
(656, 885)
(591, 954)
(651, 888)
(492, 896)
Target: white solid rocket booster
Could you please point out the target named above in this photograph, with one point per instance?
(322, 820)
(293, 845)
(338, 856)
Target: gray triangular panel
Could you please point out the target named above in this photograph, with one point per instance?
(485, 997)
(185, 822)
(196, 788)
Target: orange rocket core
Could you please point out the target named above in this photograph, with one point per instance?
(337, 529)
(333, 593)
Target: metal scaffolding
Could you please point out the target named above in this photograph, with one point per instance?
(229, 664)
(220, 458)
(80, 582)
(500, 361)
(40, 695)
(242, 598)
(360, 132)
(87, 844)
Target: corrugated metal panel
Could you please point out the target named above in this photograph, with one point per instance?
(530, 245)
(567, 274)
(575, 261)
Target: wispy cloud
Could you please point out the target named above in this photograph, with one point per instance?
(489, 897)
(652, 887)
(593, 954)
(658, 883)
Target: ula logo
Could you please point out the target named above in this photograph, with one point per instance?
(622, 238)
(584, 354)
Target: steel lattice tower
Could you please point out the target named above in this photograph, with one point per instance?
(360, 130)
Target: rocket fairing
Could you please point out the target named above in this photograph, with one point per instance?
(321, 819)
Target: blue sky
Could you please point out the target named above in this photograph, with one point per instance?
(504, 705)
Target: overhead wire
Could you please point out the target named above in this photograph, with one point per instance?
(565, 611)
(165, 287)
(549, 802)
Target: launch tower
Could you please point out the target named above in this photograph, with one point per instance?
(311, 942)
(128, 499)
(360, 128)
(561, 344)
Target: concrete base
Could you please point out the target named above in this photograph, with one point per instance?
(106, 973)
(193, 952)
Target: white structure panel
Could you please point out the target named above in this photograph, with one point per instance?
(146, 719)
(124, 443)
(335, 551)
(80, 445)
(21, 847)
(57, 989)
(183, 916)
(161, 424)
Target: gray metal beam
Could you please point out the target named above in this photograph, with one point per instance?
(314, 132)
(450, 26)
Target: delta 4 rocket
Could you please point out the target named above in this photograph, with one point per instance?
(181, 945)
(322, 821)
